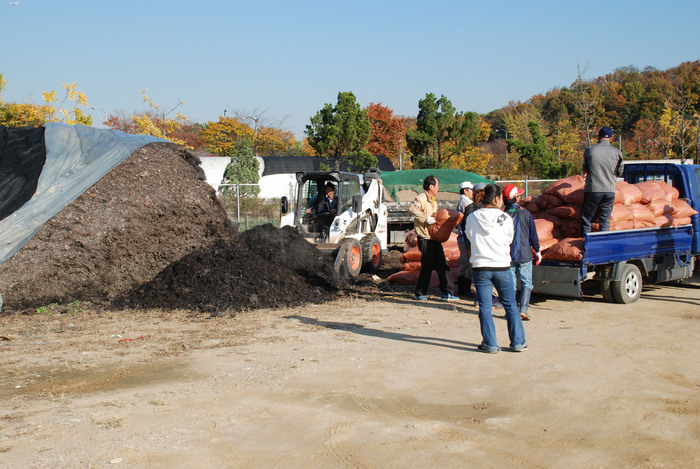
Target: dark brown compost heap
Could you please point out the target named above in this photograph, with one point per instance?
(151, 233)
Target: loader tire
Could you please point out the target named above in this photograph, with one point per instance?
(349, 261)
(371, 253)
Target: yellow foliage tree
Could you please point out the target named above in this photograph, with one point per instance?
(473, 159)
(35, 115)
(23, 115)
(72, 115)
(157, 123)
(220, 137)
(565, 143)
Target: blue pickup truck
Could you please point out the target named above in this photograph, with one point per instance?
(622, 261)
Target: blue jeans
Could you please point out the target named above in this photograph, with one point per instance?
(524, 273)
(484, 281)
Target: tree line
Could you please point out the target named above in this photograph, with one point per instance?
(655, 115)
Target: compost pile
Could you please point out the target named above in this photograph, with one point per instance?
(152, 233)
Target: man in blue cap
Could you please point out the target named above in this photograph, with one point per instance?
(602, 165)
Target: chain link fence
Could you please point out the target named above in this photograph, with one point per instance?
(247, 210)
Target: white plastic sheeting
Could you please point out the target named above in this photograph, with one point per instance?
(76, 158)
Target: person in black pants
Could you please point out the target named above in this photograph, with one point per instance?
(602, 165)
(432, 258)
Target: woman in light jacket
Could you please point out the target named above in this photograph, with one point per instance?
(490, 232)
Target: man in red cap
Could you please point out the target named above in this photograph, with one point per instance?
(525, 240)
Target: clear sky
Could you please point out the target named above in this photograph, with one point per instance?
(288, 58)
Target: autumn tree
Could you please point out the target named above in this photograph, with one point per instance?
(540, 158)
(159, 122)
(73, 114)
(339, 133)
(221, 137)
(589, 97)
(242, 169)
(34, 115)
(388, 132)
(679, 109)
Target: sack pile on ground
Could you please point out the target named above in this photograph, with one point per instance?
(557, 213)
(410, 261)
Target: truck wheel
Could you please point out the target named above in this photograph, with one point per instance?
(606, 289)
(629, 289)
(352, 257)
(371, 253)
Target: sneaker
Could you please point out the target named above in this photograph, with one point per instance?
(420, 297)
(521, 349)
(449, 297)
(485, 350)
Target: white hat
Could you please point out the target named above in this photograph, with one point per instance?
(466, 185)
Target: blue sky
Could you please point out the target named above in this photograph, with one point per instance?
(287, 59)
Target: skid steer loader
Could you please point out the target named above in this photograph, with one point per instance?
(356, 233)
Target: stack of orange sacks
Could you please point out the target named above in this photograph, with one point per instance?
(557, 213)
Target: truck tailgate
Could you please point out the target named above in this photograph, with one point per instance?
(616, 246)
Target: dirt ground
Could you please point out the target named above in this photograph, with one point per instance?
(141, 330)
(371, 379)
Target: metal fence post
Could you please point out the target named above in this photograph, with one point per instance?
(238, 201)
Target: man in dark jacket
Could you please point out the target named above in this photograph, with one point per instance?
(325, 208)
(525, 240)
(602, 165)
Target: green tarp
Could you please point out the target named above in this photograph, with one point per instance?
(412, 179)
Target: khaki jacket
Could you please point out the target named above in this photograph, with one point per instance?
(423, 206)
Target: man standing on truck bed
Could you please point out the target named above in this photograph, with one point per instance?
(432, 257)
(602, 165)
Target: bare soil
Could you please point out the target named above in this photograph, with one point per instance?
(372, 379)
(141, 330)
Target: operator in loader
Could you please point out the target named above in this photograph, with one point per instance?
(325, 208)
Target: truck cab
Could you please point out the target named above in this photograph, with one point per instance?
(685, 178)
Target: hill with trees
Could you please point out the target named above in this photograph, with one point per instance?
(655, 115)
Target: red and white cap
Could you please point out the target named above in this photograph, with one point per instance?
(511, 191)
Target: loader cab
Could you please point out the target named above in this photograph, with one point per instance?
(310, 208)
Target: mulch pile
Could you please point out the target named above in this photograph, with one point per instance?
(152, 233)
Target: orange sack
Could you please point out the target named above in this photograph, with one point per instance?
(568, 211)
(661, 206)
(627, 194)
(670, 191)
(570, 228)
(566, 186)
(411, 255)
(568, 249)
(544, 229)
(641, 212)
(665, 219)
(681, 221)
(622, 225)
(620, 213)
(446, 220)
(651, 191)
(683, 209)
(547, 243)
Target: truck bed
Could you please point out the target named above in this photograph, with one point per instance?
(651, 246)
